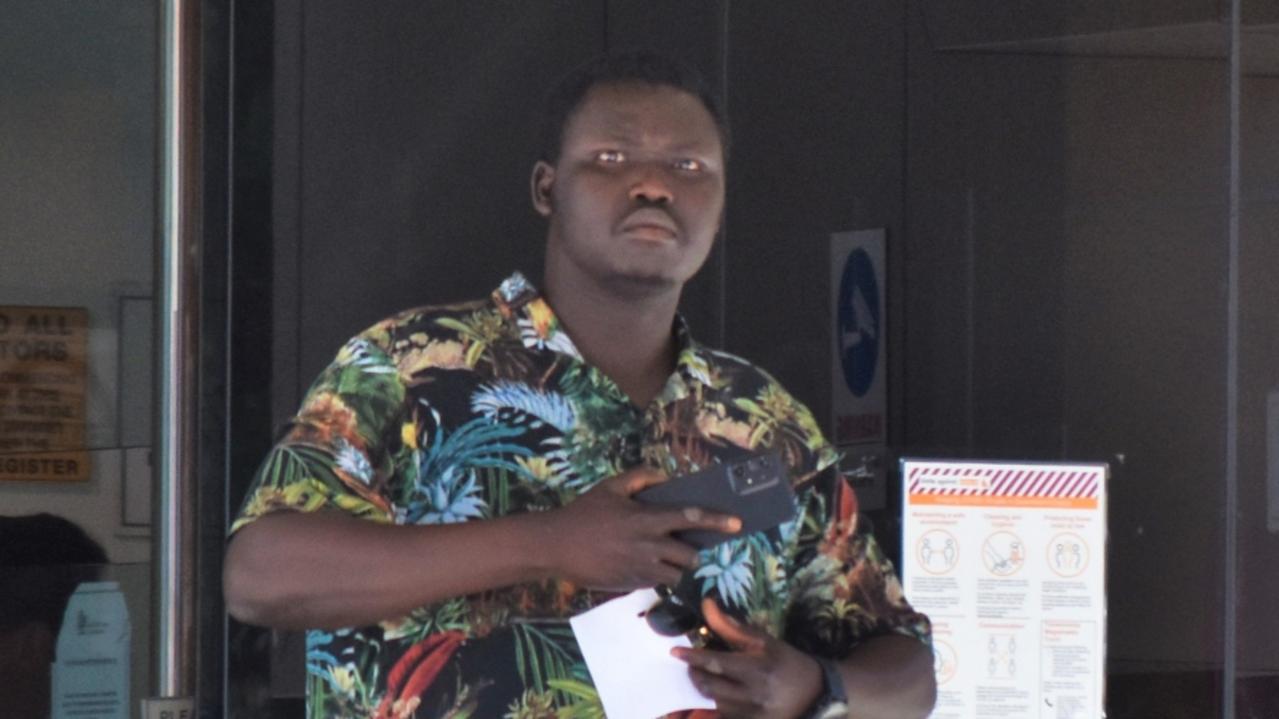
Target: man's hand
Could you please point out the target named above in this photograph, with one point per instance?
(605, 539)
(761, 676)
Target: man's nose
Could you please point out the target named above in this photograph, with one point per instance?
(651, 185)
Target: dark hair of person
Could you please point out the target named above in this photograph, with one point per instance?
(43, 558)
(618, 68)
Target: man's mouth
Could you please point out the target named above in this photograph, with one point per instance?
(650, 224)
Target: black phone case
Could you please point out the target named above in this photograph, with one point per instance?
(756, 489)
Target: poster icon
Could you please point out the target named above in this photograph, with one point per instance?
(1003, 553)
(1067, 554)
(1001, 660)
(937, 551)
(945, 661)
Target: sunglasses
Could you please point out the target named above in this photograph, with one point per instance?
(673, 616)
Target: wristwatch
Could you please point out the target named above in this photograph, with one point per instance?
(832, 703)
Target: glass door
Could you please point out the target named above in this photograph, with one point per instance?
(78, 157)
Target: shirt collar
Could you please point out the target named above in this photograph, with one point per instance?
(520, 302)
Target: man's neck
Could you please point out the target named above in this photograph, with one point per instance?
(628, 336)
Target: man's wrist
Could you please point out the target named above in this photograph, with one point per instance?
(832, 702)
(536, 529)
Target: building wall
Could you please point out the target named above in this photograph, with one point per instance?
(1056, 224)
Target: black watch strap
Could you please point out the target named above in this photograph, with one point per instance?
(832, 703)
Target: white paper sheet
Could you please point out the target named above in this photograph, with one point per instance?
(631, 665)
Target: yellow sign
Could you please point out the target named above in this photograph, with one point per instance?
(43, 371)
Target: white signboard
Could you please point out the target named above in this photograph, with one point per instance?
(1008, 560)
(860, 342)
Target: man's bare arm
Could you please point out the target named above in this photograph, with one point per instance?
(294, 570)
(328, 570)
(890, 677)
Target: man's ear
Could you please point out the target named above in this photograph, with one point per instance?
(541, 183)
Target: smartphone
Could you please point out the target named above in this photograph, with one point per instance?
(755, 488)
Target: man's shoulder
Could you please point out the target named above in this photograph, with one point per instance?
(439, 322)
(443, 336)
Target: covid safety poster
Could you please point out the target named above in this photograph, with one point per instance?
(1008, 560)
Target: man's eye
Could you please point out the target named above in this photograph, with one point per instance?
(610, 156)
(689, 165)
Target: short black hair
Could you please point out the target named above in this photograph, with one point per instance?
(43, 558)
(620, 67)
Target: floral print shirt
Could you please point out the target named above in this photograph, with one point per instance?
(473, 411)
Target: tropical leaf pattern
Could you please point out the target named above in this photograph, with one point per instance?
(469, 412)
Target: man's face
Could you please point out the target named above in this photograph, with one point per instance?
(636, 195)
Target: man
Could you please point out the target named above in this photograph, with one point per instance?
(459, 481)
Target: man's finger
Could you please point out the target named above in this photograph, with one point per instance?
(666, 574)
(724, 690)
(639, 479)
(724, 677)
(738, 636)
(702, 519)
(730, 665)
(677, 553)
(698, 518)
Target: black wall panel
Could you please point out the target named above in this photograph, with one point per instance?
(417, 134)
(403, 156)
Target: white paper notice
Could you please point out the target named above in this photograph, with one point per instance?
(631, 665)
(91, 676)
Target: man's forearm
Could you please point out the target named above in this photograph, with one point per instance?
(327, 570)
(889, 677)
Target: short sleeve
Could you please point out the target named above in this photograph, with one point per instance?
(844, 590)
(335, 452)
